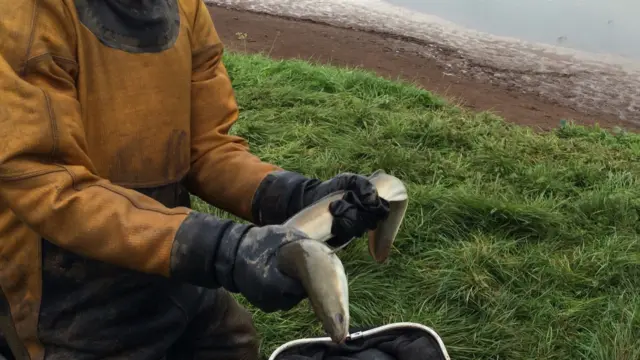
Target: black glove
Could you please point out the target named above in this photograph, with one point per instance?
(212, 252)
(256, 273)
(283, 194)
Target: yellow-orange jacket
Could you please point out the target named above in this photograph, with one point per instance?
(87, 128)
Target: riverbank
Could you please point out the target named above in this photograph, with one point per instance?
(523, 94)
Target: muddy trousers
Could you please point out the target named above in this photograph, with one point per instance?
(221, 330)
(218, 329)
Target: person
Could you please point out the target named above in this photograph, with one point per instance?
(113, 113)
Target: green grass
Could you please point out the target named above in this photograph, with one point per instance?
(516, 244)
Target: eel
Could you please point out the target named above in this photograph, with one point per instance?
(316, 264)
(322, 275)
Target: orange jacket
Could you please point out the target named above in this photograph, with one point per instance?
(82, 123)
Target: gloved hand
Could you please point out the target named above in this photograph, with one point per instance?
(283, 194)
(213, 252)
(256, 274)
(359, 210)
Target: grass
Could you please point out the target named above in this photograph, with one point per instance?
(516, 244)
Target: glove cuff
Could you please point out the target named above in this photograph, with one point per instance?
(279, 196)
(204, 251)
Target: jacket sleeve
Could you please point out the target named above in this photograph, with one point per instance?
(46, 176)
(223, 171)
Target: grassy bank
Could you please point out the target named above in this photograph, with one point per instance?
(516, 245)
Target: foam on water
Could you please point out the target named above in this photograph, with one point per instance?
(588, 81)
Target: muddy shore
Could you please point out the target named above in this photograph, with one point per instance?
(539, 99)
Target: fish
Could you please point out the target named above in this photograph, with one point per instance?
(323, 277)
(315, 263)
(315, 220)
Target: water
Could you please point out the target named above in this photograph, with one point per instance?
(600, 26)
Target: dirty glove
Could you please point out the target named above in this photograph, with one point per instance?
(283, 194)
(213, 252)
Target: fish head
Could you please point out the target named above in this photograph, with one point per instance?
(324, 279)
(335, 305)
(336, 324)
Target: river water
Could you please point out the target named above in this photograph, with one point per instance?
(601, 26)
